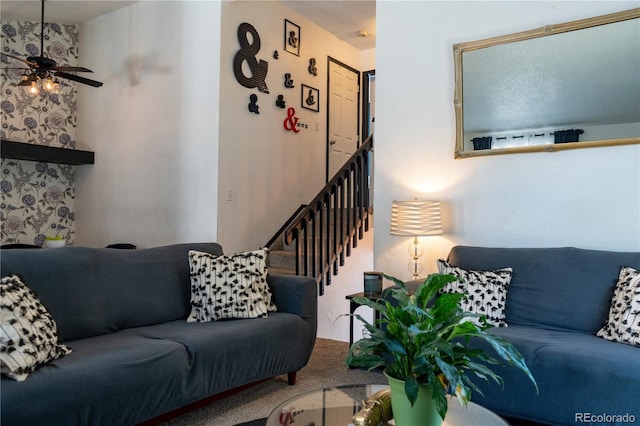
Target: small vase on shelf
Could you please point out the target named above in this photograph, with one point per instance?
(54, 242)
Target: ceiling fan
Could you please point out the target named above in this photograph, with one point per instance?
(45, 70)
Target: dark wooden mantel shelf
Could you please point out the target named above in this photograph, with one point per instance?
(47, 154)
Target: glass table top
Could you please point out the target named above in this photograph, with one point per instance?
(336, 406)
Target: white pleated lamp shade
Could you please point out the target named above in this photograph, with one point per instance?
(416, 218)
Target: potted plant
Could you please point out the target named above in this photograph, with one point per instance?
(422, 343)
(54, 242)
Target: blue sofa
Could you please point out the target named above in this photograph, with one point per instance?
(134, 357)
(557, 301)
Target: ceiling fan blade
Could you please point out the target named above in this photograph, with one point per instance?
(78, 79)
(73, 69)
(17, 58)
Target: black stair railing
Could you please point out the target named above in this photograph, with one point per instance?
(331, 225)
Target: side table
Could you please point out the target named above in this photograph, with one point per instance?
(353, 306)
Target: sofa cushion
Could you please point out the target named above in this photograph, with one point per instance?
(113, 379)
(232, 286)
(545, 280)
(576, 373)
(486, 291)
(28, 333)
(226, 354)
(623, 324)
(93, 291)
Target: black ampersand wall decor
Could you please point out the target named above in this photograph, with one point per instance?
(311, 100)
(288, 81)
(313, 70)
(248, 53)
(253, 104)
(293, 39)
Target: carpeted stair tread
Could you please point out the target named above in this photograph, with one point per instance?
(282, 259)
(280, 271)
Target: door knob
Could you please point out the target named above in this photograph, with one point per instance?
(332, 142)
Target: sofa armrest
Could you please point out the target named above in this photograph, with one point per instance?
(294, 294)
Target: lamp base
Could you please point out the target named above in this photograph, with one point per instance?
(416, 250)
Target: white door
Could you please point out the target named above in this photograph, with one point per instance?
(344, 90)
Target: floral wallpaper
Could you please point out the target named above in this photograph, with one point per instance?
(37, 198)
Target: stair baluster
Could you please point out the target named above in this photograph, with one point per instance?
(321, 246)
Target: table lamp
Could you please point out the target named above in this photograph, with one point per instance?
(416, 219)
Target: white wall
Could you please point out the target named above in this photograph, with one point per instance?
(586, 198)
(161, 157)
(333, 305)
(270, 171)
(368, 58)
(153, 125)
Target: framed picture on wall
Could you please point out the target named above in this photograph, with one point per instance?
(291, 37)
(310, 98)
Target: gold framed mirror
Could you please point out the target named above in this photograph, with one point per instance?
(564, 86)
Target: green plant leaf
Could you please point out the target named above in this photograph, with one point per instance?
(397, 282)
(483, 372)
(447, 305)
(510, 354)
(430, 287)
(370, 362)
(374, 304)
(440, 397)
(411, 389)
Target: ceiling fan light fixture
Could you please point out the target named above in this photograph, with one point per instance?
(33, 89)
(51, 85)
(48, 84)
(41, 70)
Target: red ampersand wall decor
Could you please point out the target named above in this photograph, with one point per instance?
(291, 123)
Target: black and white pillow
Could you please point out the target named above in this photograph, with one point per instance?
(232, 286)
(28, 333)
(486, 291)
(623, 323)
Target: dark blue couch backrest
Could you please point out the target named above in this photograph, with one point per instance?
(557, 288)
(94, 291)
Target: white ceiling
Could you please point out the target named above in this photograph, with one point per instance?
(345, 19)
(60, 11)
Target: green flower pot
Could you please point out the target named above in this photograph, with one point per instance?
(423, 412)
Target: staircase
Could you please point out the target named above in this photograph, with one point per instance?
(282, 256)
(316, 239)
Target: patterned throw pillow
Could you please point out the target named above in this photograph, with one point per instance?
(28, 333)
(623, 324)
(486, 291)
(233, 286)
